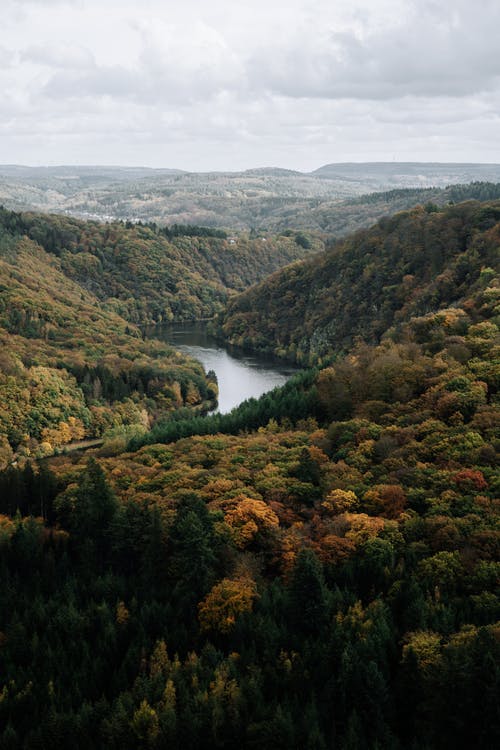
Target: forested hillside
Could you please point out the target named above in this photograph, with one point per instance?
(341, 218)
(410, 264)
(73, 362)
(148, 274)
(318, 569)
(72, 369)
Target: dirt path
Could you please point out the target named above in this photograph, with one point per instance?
(81, 445)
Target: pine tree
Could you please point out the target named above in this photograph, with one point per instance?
(308, 595)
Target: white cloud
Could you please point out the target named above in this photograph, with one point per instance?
(431, 52)
(58, 56)
(228, 84)
(170, 67)
(7, 58)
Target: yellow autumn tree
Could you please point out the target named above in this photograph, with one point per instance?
(192, 394)
(122, 613)
(425, 647)
(249, 518)
(362, 527)
(6, 453)
(227, 600)
(145, 724)
(159, 662)
(339, 501)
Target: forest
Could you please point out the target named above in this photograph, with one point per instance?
(152, 274)
(75, 300)
(71, 369)
(335, 199)
(408, 264)
(317, 569)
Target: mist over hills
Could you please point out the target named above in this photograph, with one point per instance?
(424, 172)
(267, 198)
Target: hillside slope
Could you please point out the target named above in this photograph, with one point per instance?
(69, 367)
(328, 580)
(340, 218)
(150, 275)
(410, 264)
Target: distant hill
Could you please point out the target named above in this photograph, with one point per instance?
(272, 172)
(409, 264)
(264, 199)
(82, 172)
(340, 218)
(402, 173)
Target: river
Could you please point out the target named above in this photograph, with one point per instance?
(240, 375)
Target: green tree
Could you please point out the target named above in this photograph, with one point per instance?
(193, 558)
(308, 595)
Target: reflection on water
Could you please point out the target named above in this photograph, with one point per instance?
(240, 376)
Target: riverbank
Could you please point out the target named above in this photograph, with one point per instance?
(240, 374)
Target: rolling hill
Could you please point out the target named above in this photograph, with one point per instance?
(150, 275)
(409, 264)
(268, 199)
(318, 568)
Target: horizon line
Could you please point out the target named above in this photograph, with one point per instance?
(247, 169)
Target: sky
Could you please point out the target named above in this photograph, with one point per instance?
(226, 85)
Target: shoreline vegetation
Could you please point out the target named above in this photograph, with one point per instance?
(74, 295)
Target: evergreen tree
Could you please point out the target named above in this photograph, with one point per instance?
(308, 595)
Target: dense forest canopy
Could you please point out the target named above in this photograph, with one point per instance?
(410, 264)
(150, 274)
(72, 295)
(319, 568)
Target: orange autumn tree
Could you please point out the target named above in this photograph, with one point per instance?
(225, 602)
(250, 518)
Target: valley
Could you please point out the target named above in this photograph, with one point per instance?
(315, 566)
(249, 375)
(240, 375)
(75, 298)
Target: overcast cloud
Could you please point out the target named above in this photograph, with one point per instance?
(229, 85)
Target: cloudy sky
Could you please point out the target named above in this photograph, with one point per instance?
(224, 84)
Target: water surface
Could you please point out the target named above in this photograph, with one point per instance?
(239, 375)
